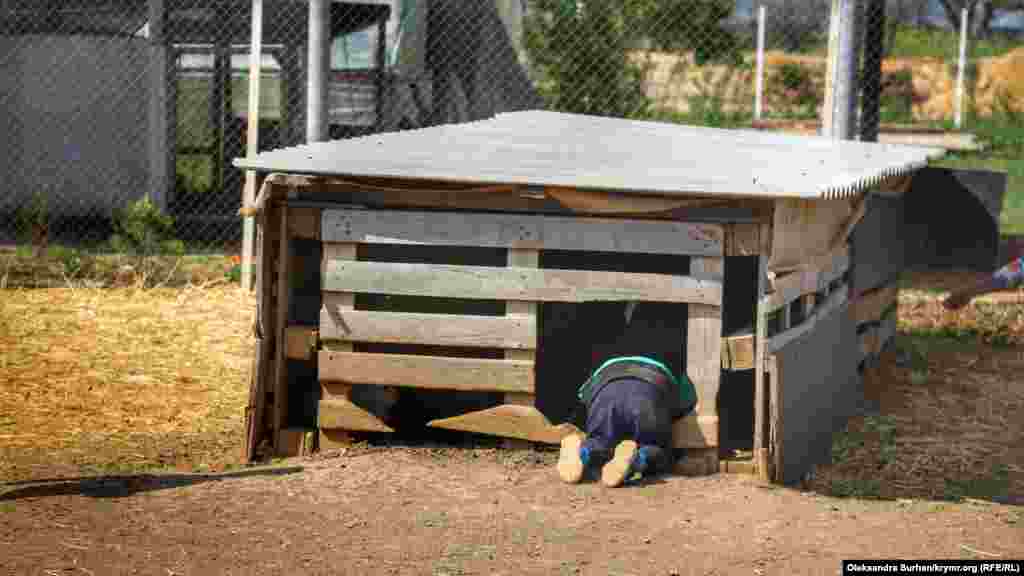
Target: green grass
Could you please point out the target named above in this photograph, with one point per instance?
(1003, 138)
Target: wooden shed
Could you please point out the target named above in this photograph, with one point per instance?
(458, 277)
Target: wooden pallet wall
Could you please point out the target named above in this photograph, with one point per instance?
(522, 284)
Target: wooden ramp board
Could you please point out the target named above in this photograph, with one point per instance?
(509, 421)
(432, 372)
(531, 284)
(341, 413)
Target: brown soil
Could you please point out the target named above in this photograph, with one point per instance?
(455, 510)
(423, 511)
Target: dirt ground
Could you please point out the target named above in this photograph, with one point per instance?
(120, 434)
(466, 511)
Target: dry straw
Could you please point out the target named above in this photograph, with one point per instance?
(121, 378)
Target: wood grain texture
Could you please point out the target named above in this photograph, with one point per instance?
(514, 332)
(787, 288)
(431, 372)
(592, 202)
(522, 231)
(509, 421)
(738, 352)
(341, 413)
(704, 342)
(761, 392)
(340, 303)
(522, 311)
(529, 284)
(284, 261)
(743, 239)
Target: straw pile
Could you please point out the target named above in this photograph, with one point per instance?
(119, 379)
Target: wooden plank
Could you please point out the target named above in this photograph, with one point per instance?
(333, 438)
(490, 283)
(265, 333)
(860, 209)
(738, 352)
(515, 332)
(432, 372)
(835, 300)
(341, 413)
(748, 467)
(695, 431)
(518, 311)
(338, 303)
(870, 307)
(300, 342)
(743, 239)
(254, 409)
(803, 232)
(789, 287)
(284, 258)
(775, 422)
(592, 202)
(704, 343)
(761, 394)
(509, 421)
(522, 231)
(304, 222)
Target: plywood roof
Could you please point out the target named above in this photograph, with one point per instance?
(554, 149)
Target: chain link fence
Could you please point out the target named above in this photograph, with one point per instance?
(106, 102)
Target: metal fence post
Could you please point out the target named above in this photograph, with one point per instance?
(958, 102)
(840, 82)
(317, 70)
(759, 86)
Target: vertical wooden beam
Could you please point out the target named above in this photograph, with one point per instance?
(265, 368)
(252, 139)
(775, 422)
(521, 258)
(284, 264)
(704, 350)
(761, 460)
(333, 438)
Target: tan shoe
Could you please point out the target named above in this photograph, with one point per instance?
(570, 465)
(617, 470)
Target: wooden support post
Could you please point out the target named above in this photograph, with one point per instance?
(521, 258)
(761, 460)
(334, 438)
(284, 261)
(704, 354)
(774, 419)
(265, 333)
